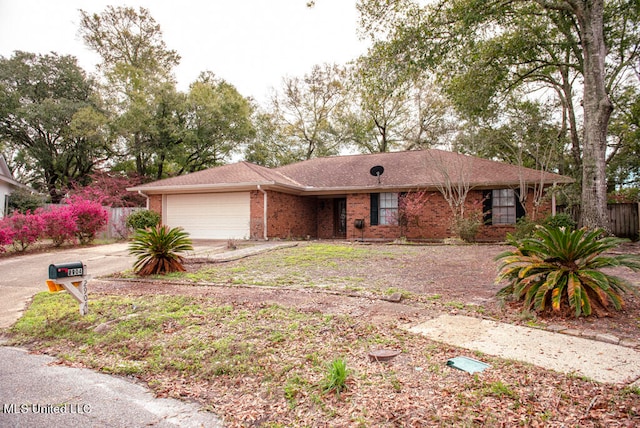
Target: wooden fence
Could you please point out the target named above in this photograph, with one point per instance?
(624, 220)
(117, 224)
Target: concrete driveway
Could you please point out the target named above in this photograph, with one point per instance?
(23, 276)
(35, 391)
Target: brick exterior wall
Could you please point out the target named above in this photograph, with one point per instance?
(326, 215)
(256, 216)
(433, 223)
(155, 204)
(290, 216)
(295, 217)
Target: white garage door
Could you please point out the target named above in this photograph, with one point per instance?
(210, 215)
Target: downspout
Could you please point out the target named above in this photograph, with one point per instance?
(148, 206)
(264, 214)
(141, 193)
(553, 200)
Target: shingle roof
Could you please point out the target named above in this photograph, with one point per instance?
(410, 169)
(424, 168)
(237, 174)
(6, 176)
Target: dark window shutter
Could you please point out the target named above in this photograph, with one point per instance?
(520, 212)
(374, 209)
(487, 204)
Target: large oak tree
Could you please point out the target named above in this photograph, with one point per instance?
(483, 49)
(51, 121)
(137, 67)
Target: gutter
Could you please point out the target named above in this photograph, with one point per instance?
(264, 214)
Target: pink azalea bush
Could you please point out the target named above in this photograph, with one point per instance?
(59, 224)
(80, 219)
(27, 229)
(6, 234)
(90, 217)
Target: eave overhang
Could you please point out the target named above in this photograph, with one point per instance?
(316, 191)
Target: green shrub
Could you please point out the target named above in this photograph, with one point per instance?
(560, 220)
(561, 266)
(22, 200)
(157, 250)
(142, 219)
(467, 228)
(524, 228)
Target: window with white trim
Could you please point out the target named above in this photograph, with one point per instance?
(503, 206)
(384, 208)
(388, 208)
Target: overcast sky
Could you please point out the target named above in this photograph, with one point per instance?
(252, 44)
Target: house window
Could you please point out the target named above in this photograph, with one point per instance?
(384, 208)
(503, 206)
(388, 208)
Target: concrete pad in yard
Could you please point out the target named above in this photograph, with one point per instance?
(602, 362)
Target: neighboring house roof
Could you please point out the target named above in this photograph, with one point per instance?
(329, 175)
(5, 174)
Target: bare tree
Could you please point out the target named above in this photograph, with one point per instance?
(453, 183)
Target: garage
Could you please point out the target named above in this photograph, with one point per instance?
(209, 215)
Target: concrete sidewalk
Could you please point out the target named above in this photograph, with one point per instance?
(602, 362)
(221, 254)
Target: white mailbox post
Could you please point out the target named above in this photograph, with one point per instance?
(73, 278)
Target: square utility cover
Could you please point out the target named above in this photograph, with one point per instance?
(467, 364)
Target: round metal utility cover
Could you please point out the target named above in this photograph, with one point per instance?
(383, 354)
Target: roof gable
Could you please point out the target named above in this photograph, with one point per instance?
(4, 168)
(6, 176)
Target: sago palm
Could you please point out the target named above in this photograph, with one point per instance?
(559, 266)
(157, 250)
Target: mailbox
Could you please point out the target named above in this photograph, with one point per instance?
(66, 270)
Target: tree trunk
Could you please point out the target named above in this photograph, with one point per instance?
(137, 149)
(597, 111)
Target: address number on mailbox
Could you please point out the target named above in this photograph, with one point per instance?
(66, 270)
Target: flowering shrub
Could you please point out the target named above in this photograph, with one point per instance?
(27, 229)
(6, 234)
(90, 217)
(109, 189)
(81, 219)
(411, 206)
(625, 195)
(59, 224)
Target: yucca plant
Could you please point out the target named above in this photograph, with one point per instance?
(560, 266)
(157, 250)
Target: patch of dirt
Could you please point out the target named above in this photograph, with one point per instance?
(415, 389)
(431, 278)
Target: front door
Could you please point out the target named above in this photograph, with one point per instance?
(340, 218)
